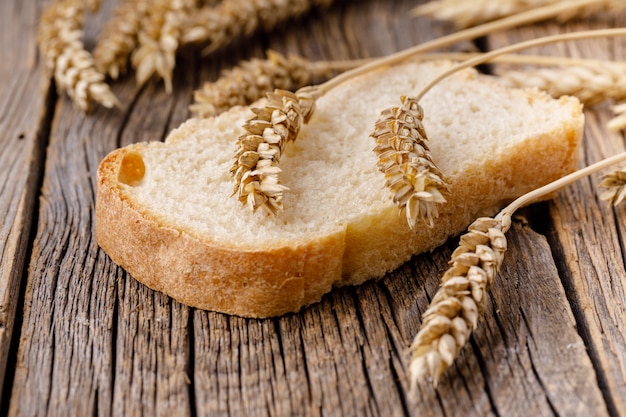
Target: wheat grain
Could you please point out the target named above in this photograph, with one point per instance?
(531, 16)
(591, 84)
(255, 168)
(118, 38)
(453, 313)
(60, 40)
(615, 184)
(404, 157)
(314, 92)
(219, 25)
(252, 79)
(618, 122)
(464, 14)
(158, 40)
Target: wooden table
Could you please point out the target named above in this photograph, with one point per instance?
(78, 336)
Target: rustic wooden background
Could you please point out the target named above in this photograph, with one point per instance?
(78, 336)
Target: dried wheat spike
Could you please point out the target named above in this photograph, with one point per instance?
(404, 157)
(60, 40)
(590, 84)
(615, 184)
(251, 80)
(618, 122)
(255, 168)
(119, 37)
(464, 14)
(453, 313)
(219, 25)
(158, 40)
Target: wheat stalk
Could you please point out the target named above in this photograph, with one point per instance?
(118, 38)
(313, 93)
(422, 199)
(255, 168)
(60, 41)
(404, 157)
(465, 14)
(249, 81)
(252, 79)
(229, 19)
(518, 19)
(453, 313)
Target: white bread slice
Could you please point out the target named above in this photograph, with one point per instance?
(177, 229)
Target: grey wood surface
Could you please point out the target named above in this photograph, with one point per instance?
(80, 337)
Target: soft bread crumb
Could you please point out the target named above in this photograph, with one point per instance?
(494, 144)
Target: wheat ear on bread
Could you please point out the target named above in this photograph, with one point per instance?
(165, 213)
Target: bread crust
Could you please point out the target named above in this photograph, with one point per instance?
(201, 274)
(285, 277)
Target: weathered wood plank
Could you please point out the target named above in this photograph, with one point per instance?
(365, 332)
(94, 341)
(587, 236)
(23, 125)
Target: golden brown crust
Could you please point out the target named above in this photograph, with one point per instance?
(204, 275)
(276, 280)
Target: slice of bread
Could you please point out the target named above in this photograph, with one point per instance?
(165, 213)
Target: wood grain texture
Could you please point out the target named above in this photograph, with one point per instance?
(23, 132)
(585, 234)
(96, 342)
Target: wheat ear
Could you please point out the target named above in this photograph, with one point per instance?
(415, 181)
(530, 16)
(453, 313)
(255, 168)
(591, 83)
(246, 159)
(219, 25)
(308, 95)
(251, 80)
(618, 122)
(158, 40)
(60, 41)
(407, 173)
(118, 38)
(615, 184)
(465, 14)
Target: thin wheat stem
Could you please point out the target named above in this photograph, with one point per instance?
(587, 34)
(453, 313)
(531, 16)
(562, 182)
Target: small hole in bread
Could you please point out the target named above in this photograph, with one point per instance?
(132, 169)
